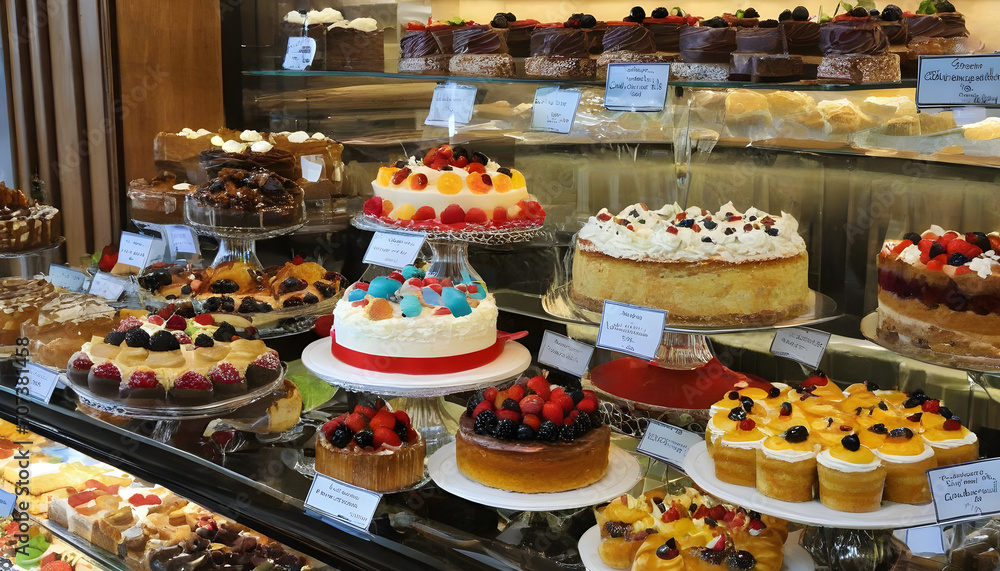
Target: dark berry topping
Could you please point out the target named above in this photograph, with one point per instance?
(342, 436)
(709, 225)
(510, 16)
(859, 12)
(945, 412)
(636, 14)
(750, 13)
(772, 231)
(737, 414)
(902, 432)
(797, 433)
(224, 286)
(163, 340)
(872, 386)
(365, 438)
(203, 340)
(708, 240)
(548, 431)
(137, 338)
(768, 24)
(873, 13)
(893, 13)
(616, 529)
(499, 21)
(786, 409)
(747, 403)
(506, 429)
(800, 14)
(567, 433)
(660, 12)
(882, 405)
(911, 236)
(478, 157)
(851, 442)
(785, 15)
(225, 332)
(733, 395)
(710, 522)
(944, 6)
(716, 22)
(511, 404)
(774, 393)
(958, 259)
(485, 423)
(525, 432)
(588, 21)
(878, 428)
(741, 561)
(686, 223)
(115, 338)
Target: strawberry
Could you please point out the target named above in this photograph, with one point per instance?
(176, 322)
(397, 276)
(373, 207)
(367, 412)
(701, 512)
(383, 418)
(587, 405)
(553, 411)
(531, 420)
(510, 414)
(718, 513)
(385, 436)
(359, 303)
(415, 282)
(452, 214)
(430, 280)
(204, 319)
(540, 386)
(355, 422)
(670, 515)
(515, 392)
(402, 417)
(446, 282)
(424, 213)
(361, 285)
(532, 404)
(948, 237)
(935, 264)
(109, 257)
(904, 244)
(565, 401)
(485, 405)
(490, 394)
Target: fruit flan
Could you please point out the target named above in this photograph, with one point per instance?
(726, 268)
(532, 438)
(372, 448)
(939, 291)
(452, 189)
(26, 224)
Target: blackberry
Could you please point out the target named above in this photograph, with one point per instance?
(163, 340)
(525, 432)
(707, 240)
(365, 438)
(228, 304)
(402, 431)
(616, 529)
(567, 433)
(212, 304)
(342, 436)
(224, 286)
(225, 332)
(741, 560)
(945, 412)
(548, 432)
(310, 298)
(911, 236)
(797, 433)
(510, 17)
(902, 432)
(937, 248)
(186, 289)
(114, 338)
(800, 14)
(750, 13)
(203, 340)
(248, 305)
(499, 21)
(485, 423)
(511, 404)
(582, 425)
(137, 338)
(873, 13)
(506, 429)
(577, 396)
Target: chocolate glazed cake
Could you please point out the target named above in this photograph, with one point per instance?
(856, 50)
(627, 42)
(762, 55)
(560, 52)
(481, 51)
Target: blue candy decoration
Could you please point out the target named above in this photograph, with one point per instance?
(431, 297)
(413, 272)
(410, 306)
(382, 287)
(356, 295)
(456, 301)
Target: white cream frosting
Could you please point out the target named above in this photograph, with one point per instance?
(324, 16)
(360, 24)
(787, 455)
(298, 137)
(251, 136)
(650, 240)
(192, 134)
(969, 438)
(826, 459)
(982, 265)
(927, 452)
(218, 141)
(295, 17)
(318, 136)
(261, 147)
(743, 444)
(233, 147)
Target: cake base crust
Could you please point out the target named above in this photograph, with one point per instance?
(560, 67)
(786, 481)
(859, 68)
(858, 492)
(481, 65)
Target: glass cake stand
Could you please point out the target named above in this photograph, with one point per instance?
(28, 263)
(237, 242)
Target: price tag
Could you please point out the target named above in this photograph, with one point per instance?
(134, 250)
(965, 491)
(393, 250)
(300, 53)
(636, 86)
(107, 286)
(7, 503)
(41, 381)
(451, 105)
(631, 329)
(554, 109)
(667, 443)
(955, 81)
(182, 239)
(62, 276)
(312, 167)
(565, 354)
(925, 541)
(800, 344)
(344, 502)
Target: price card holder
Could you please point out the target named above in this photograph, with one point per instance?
(312, 167)
(342, 502)
(182, 240)
(631, 329)
(7, 503)
(957, 81)
(964, 492)
(107, 286)
(300, 53)
(667, 443)
(554, 109)
(925, 541)
(800, 344)
(62, 276)
(565, 354)
(451, 105)
(134, 250)
(636, 86)
(41, 381)
(392, 250)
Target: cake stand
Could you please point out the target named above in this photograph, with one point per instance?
(28, 263)
(238, 243)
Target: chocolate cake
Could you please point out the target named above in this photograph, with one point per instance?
(255, 198)
(557, 51)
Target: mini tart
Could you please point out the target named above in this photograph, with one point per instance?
(952, 446)
(532, 467)
(906, 461)
(736, 456)
(850, 481)
(787, 470)
(386, 470)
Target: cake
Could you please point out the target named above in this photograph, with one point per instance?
(452, 189)
(801, 34)
(251, 150)
(850, 477)
(310, 24)
(64, 324)
(694, 264)
(856, 50)
(480, 51)
(559, 50)
(705, 51)
(518, 32)
(178, 153)
(373, 448)
(20, 301)
(762, 55)
(940, 292)
(420, 52)
(786, 466)
(626, 42)
(906, 458)
(895, 26)
(532, 438)
(159, 200)
(412, 323)
(355, 45)
(319, 158)
(748, 18)
(255, 198)
(735, 453)
(666, 28)
(938, 29)
(26, 224)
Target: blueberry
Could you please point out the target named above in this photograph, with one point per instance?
(588, 21)
(741, 560)
(774, 393)
(737, 414)
(911, 236)
(747, 403)
(709, 225)
(893, 13)
(851, 442)
(342, 436)
(511, 404)
(686, 223)
(509, 16)
(937, 248)
(945, 412)
(248, 305)
(750, 13)
(772, 231)
(872, 385)
(957, 259)
(797, 433)
(878, 428)
(873, 13)
(800, 14)
(525, 432)
(716, 22)
(637, 14)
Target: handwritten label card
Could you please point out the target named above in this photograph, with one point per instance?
(41, 381)
(107, 286)
(667, 443)
(7, 503)
(631, 329)
(451, 105)
(300, 53)
(800, 344)
(393, 250)
(636, 86)
(554, 109)
(955, 81)
(965, 491)
(182, 240)
(344, 502)
(134, 250)
(62, 276)
(565, 354)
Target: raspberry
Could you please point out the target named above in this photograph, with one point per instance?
(385, 437)
(499, 215)
(192, 380)
(532, 404)
(143, 380)
(552, 412)
(540, 386)
(204, 319)
(129, 323)
(82, 362)
(182, 338)
(269, 361)
(107, 371)
(224, 373)
(747, 424)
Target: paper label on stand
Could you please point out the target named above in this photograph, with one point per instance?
(958, 80)
(965, 491)
(300, 53)
(134, 250)
(554, 109)
(631, 329)
(800, 344)
(62, 276)
(41, 381)
(312, 167)
(343, 502)
(565, 354)
(107, 286)
(393, 250)
(667, 443)
(182, 240)
(451, 105)
(7, 503)
(636, 86)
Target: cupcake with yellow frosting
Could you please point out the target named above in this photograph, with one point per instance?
(906, 458)
(851, 477)
(721, 423)
(786, 466)
(952, 443)
(736, 453)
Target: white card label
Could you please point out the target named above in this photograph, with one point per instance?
(636, 86)
(565, 354)
(393, 250)
(182, 240)
(134, 250)
(300, 53)
(451, 105)
(800, 344)
(41, 381)
(71, 279)
(7, 503)
(312, 167)
(344, 502)
(965, 491)
(107, 286)
(925, 541)
(955, 81)
(631, 329)
(554, 109)
(667, 443)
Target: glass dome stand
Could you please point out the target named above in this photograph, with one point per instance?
(238, 243)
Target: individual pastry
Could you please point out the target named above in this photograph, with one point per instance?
(320, 164)
(480, 51)
(851, 477)
(666, 28)
(735, 453)
(420, 52)
(906, 458)
(159, 200)
(952, 443)
(355, 45)
(561, 50)
(856, 50)
(786, 466)
(748, 18)
(518, 32)
(626, 42)
(705, 51)
(761, 55)
(178, 153)
(64, 324)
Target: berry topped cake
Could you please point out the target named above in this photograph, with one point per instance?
(731, 267)
(532, 438)
(452, 189)
(940, 291)
(255, 198)
(856, 50)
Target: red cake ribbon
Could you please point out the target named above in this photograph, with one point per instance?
(422, 365)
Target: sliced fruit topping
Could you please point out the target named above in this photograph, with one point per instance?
(449, 183)
(399, 176)
(385, 175)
